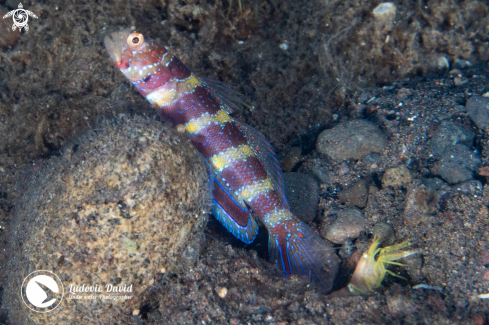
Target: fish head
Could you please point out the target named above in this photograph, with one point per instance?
(140, 58)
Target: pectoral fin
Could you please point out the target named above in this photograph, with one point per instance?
(236, 219)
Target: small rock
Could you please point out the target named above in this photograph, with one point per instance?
(321, 172)
(383, 231)
(396, 177)
(462, 64)
(485, 257)
(372, 189)
(455, 72)
(291, 158)
(351, 140)
(363, 98)
(457, 164)
(358, 111)
(478, 319)
(344, 169)
(371, 110)
(486, 276)
(416, 208)
(484, 171)
(447, 135)
(294, 307)
(435, 302)
(442, 63)
(403, 93)
(385, 13)
(349, 225)
(302, 193)
(400, 305)
(222, 292)
(356, 194)
(478, 110)
(373, 158)
(434, 184)
(459, 81)
(154, 317)
(472, 187)
(193, 250)
(413, 264)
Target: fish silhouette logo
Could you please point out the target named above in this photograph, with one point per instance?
(20, 17)
(42, 291)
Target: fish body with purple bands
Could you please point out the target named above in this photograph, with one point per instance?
(244, 172)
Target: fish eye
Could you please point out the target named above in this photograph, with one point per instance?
(135, 40)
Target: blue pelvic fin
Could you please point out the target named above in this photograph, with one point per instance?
(236, 218)
(246, 234)
(297, 250)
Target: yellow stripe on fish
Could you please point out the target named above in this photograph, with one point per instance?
(162, 96)
(260, 187)
(232, 154)
(187, 85)
(276, 216)
(198, 124)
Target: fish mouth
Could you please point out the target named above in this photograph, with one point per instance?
(115, 43)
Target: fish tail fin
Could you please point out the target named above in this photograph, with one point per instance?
(298, 250)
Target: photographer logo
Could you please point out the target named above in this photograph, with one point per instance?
(42, 291)
(20, 17)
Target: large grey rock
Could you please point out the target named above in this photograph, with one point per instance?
(302, 192)
(128, 202)
(349, 224)
(478, 109)
(447, 135)
(351, 140)
(457, 164)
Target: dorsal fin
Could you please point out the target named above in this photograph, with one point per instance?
(230, 99)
